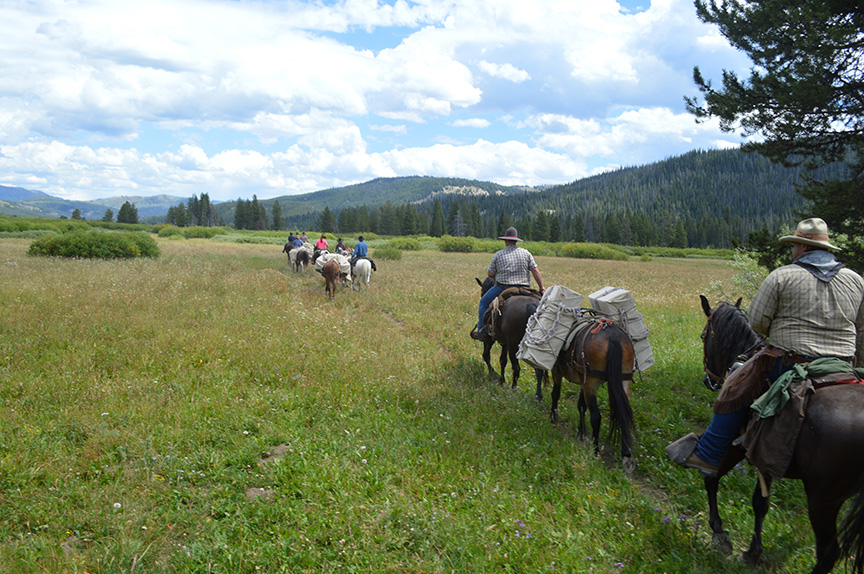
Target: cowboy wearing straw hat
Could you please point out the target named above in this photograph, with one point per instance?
(810, 309)
(510, 267)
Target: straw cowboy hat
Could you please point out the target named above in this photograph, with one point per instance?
(813, 232)
(510, 235)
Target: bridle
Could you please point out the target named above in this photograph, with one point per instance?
(711, 380)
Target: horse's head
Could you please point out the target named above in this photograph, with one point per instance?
(485, 285)
(726, 339)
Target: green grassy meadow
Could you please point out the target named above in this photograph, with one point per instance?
(210, 411)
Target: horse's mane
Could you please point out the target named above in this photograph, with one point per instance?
(732, 332)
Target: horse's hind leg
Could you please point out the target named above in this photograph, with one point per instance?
(582, 406)
(502, 361)
(823, 519)
(514, 363)
(487, 358)
(596, 417)
(540, 374)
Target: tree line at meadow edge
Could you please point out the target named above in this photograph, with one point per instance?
(701, 199)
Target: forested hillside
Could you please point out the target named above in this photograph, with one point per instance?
(700, 199)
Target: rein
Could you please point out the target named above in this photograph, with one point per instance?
(716, 381)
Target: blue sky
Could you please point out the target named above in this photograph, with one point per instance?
(103, 98)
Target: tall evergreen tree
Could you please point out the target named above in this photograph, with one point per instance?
(504, 222)
(540, 230)
(241, 214)
(109, 216)
(327, 221)
(276, 214)
(436, 227)
(128, 213)
(803, 96)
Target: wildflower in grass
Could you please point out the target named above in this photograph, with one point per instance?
(666, 520)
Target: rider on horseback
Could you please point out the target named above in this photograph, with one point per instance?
(510, 267)
(361, 251)
(810, 309)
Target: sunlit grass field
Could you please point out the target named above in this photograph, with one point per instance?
(211, 411)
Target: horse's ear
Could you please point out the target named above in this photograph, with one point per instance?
(738, 302)
(480, 283)
(706, 307)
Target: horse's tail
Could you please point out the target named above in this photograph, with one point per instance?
(619, 403)
(852, 533)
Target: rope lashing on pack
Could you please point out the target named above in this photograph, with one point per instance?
(536, 334)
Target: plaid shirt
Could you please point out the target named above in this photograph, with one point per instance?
(512, 266)
(800, 313)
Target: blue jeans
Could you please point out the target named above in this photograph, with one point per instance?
(485, 301)
(725, 428)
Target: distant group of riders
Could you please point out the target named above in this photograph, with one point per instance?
(360, 251)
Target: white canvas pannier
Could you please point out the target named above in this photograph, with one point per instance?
(344, 263)
(548, 327)
(618, 304)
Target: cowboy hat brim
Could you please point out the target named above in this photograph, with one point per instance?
(810, 242)
(509, 238)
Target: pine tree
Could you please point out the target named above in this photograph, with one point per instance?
(109, 216)
(436, 227)
(128, 213)
(802, 97)
(327, 221)
(540, 230)
(276, 213)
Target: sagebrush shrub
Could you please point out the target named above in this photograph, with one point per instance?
(96, 245)
(448, 243)
(592, 251)
(404, 244)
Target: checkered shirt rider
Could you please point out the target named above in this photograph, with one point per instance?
(512, 266)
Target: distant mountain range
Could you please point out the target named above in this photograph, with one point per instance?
(21, 202)
(397, 190)
(729, 190)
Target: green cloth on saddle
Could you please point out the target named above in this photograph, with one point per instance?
(776, 397)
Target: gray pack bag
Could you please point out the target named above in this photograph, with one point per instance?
(549, 326)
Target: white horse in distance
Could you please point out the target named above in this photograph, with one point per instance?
(362, 273)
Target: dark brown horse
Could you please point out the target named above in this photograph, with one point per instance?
(301, 259)
(601, 351)
(827, 456)
(508, 328)
(331, 273)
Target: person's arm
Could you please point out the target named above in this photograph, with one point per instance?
(538, 278)
(763, 307)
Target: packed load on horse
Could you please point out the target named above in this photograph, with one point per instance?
(560, 316)
(341, 260)
(294, 251)
(582, 345)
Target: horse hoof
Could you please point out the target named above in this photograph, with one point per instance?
(722, 543)
(751, 557)
(629, 465)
